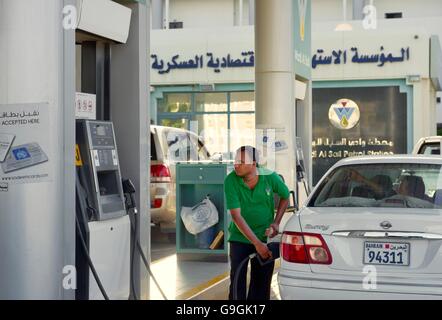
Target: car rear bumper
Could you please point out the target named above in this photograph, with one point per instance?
(309, 286)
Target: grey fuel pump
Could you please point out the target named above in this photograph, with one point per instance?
(103, 226)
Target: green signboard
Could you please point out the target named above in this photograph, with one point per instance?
(303, 36)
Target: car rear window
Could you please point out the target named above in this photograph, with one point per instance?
(153, 150)
(430, 148)
(183, 146)
(381, 185)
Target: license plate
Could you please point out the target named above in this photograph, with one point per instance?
(387, 253)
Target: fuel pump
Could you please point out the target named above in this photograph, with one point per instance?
(300, 170)
(103, 227)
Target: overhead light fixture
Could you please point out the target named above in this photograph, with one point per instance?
(413, 78)
(207, 87)
(344, 26)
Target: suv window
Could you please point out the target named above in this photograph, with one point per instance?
(430, 148)
(180, 146)
(153, 150)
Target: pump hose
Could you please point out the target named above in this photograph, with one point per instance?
(132, 262)
(91, 265)
(273, 247)
(134, 226)
(238, 271)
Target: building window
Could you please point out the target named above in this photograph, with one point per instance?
(176, 25)
(175, 103)
(393, 15)
(380, 124)
(211, 102)
(224, 120)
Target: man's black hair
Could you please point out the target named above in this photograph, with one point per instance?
(251, 151)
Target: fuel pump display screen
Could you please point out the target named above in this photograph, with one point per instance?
(101, 131)
(102, 135)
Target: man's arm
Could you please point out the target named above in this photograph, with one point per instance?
(242, 225)
(274, 227)
(283, 192)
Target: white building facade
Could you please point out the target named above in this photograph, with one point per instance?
(389, 65)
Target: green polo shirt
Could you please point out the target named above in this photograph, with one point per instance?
(257, 205)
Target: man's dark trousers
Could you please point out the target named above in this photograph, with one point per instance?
(260, 277)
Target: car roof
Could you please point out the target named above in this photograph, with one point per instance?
(432, 138)
(402, 158)
(160, 128)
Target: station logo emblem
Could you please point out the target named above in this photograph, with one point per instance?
(302, 12)
(344, 114)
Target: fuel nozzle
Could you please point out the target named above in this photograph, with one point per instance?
(274, 248)
(128, 186)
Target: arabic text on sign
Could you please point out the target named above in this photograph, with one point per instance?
(340, 57)
(216, 63)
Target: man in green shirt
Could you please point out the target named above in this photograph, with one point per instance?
(249, 192)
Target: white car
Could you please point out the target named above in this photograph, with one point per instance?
(168, 146)
(428, 145)
(371, 229)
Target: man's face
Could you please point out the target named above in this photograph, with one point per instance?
(244, 165)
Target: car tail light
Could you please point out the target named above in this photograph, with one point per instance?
(159, 173)
(305, 248)
(157, 203)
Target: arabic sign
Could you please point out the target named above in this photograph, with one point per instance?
(344, 114)
(247, 59)
(209, 60)
(28, 149)
(302, 34)
(381, 129)
(340, 57)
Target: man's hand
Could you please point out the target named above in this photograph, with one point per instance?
(272, 231)
(263, 251)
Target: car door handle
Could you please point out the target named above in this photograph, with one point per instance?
(388, 235)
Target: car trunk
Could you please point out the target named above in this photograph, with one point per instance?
(412, 243)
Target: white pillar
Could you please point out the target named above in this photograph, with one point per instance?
(130, 114)
(274, 78)
(251, 12)
(358, 6)
(157, 14)
(37, 220)
(241, 6)
(166, 11)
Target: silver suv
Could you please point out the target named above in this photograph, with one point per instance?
(428, 145)
(169, 146)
